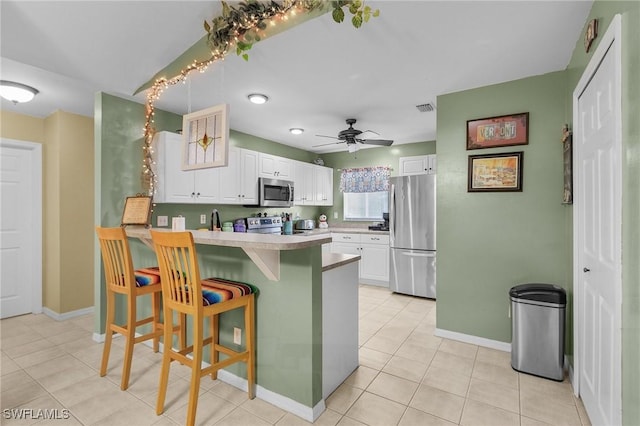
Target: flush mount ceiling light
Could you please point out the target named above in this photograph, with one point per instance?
(258, 98)
(16, 92)
(296, 131)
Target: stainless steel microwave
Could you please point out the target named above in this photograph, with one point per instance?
(275, 192)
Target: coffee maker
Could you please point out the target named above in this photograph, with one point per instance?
(385, 225)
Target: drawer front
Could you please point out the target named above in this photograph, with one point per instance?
(346, 238)
(375, 239)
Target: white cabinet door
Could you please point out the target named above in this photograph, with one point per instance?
(248, 176)
(304, 187)
(323, 177)
(417, 165)
(207, 185)
(272, 166)
(375, 262)
(239, 180)
(173, 185)
(230, 189)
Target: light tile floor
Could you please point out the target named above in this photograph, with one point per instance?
(407, 377)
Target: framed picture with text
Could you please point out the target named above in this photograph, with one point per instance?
(505, 130)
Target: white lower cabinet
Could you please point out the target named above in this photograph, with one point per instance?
(373, 250)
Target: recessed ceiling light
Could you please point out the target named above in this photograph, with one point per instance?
(296, 131)
(258, 98)
(16, 92)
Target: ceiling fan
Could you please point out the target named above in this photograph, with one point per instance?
(350, 136)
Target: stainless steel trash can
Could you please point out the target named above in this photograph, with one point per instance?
(537, 329)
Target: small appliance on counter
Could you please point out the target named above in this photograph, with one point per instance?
(264, 225)
(240, 225)
(381, 226)
(305, 224)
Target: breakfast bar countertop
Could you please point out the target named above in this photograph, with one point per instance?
(244, 240)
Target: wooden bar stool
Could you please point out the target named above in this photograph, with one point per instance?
(184, 291)
(121, 278)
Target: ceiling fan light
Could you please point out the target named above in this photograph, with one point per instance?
(258, 98)
(352, 148)
(17, 92)
(296, 131)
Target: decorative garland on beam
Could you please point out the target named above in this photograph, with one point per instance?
(241, 26)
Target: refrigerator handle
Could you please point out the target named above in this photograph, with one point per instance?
(392, 213)
(430, 254)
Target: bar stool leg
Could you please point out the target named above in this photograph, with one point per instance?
(108, 333)
(130, 341)
(195, 371)
(215, 339)
(157, 324)
(166, 360)
(250, 348)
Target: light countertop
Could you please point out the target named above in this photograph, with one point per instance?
(335, 260)
(245, 240)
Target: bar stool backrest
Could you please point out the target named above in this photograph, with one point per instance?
(116, 257)
(179, 272)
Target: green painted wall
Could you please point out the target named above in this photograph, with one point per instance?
(378, 156)
(604, 11)
(289, 350)
(489, 242)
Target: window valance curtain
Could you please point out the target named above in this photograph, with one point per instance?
(365, 179)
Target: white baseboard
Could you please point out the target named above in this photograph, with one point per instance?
(294, 407)
(67, 315)
(475, 340)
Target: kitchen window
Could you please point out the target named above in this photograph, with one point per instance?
(365, 206)
(365, 192)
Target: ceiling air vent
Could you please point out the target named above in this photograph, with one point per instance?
(426, 107)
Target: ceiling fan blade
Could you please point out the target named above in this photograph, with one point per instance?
(381, 142)
(325, 144)
(370, 131)
(325, 136)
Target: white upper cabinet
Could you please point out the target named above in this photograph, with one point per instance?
(274, 167)
(324, 186)
(175, 185)
(237, 183)
(303, 183)
(239, 180)
(418, 165)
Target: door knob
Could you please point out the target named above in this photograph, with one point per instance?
(586, 269)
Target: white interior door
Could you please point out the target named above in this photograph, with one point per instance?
(598, 235)
(20, 228)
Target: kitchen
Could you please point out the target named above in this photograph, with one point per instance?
(475, 289)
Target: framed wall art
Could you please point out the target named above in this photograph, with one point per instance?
(137, 211)
(505, 130)
(205, 136)
(495, 172)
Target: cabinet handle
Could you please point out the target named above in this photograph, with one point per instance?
(193, 194)
(242, 195)
(198, 194)
(375, 238)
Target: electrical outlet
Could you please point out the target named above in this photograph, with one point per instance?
(237, 335)
(163, 220)
(203, 219)
(335, 215)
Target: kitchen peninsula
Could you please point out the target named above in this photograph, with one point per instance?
(306, 319)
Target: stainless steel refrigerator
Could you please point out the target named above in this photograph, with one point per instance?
(412, 235)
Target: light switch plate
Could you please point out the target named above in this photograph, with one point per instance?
(203, 219)
(163, 220)
(237, 335)
(335, 215)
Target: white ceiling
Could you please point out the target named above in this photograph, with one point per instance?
(316, 74)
